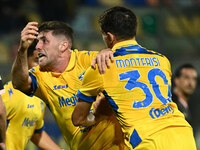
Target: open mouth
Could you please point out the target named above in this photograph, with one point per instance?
(40, 55)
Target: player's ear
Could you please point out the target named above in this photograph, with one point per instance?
(111, 37)
(64, 46)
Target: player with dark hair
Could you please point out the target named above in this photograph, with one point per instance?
(57, 79)
(185, 82)
(25, 115)
(137, 87)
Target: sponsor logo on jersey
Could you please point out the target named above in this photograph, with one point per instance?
(30, 106)
(29, 122)
(56, 87)
(159, 112)
(67, 101)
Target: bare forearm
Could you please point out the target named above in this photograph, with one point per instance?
(82, 116)
(20, 76)
(43, 141)
(20, 73)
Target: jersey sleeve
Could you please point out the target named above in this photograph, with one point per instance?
(86, 57)
(10, 104)
(92, 85)
(34, 73)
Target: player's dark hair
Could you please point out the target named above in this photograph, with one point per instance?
(58, 28)
(120, 21)
(177, 73)
(32, 48)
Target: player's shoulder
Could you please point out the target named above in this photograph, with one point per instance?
(158, 54)
(85, 52)
(91, 73)
(35, 69)
(155, 53)
(39, 102)
(37, 99)
(8, 85)
(163, 60)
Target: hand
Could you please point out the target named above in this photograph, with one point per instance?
(28, 34)
(102, 58)
(102, 108)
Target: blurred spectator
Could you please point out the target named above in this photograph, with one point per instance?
(10, 15)
(121, 2)
(185, 82)
(62, 10)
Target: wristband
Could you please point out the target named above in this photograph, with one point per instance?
(90, 117)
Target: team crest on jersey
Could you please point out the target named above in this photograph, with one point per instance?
(10, 92)
(81, 76)
(32, 70)
(88, 53)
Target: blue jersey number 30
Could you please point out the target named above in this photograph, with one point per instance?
(132, 83)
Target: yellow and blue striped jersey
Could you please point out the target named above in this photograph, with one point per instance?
(137, 87)
(58, 90)
(24, 117)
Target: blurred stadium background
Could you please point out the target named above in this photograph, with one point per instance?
(171, 27)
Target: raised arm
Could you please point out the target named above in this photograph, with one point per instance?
(20, 75)
(43, 141)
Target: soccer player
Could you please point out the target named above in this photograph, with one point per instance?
(2, 120)
(57, 79)
(185, 82)
(25, 116)
(137, 86)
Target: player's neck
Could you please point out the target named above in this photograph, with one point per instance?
(117, 41)
(64, 61)
(61, 64)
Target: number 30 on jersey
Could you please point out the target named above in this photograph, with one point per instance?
(132, 83)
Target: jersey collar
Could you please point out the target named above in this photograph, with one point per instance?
(124, 43)
(72, 61)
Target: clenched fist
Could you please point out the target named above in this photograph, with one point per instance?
(28, 35)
